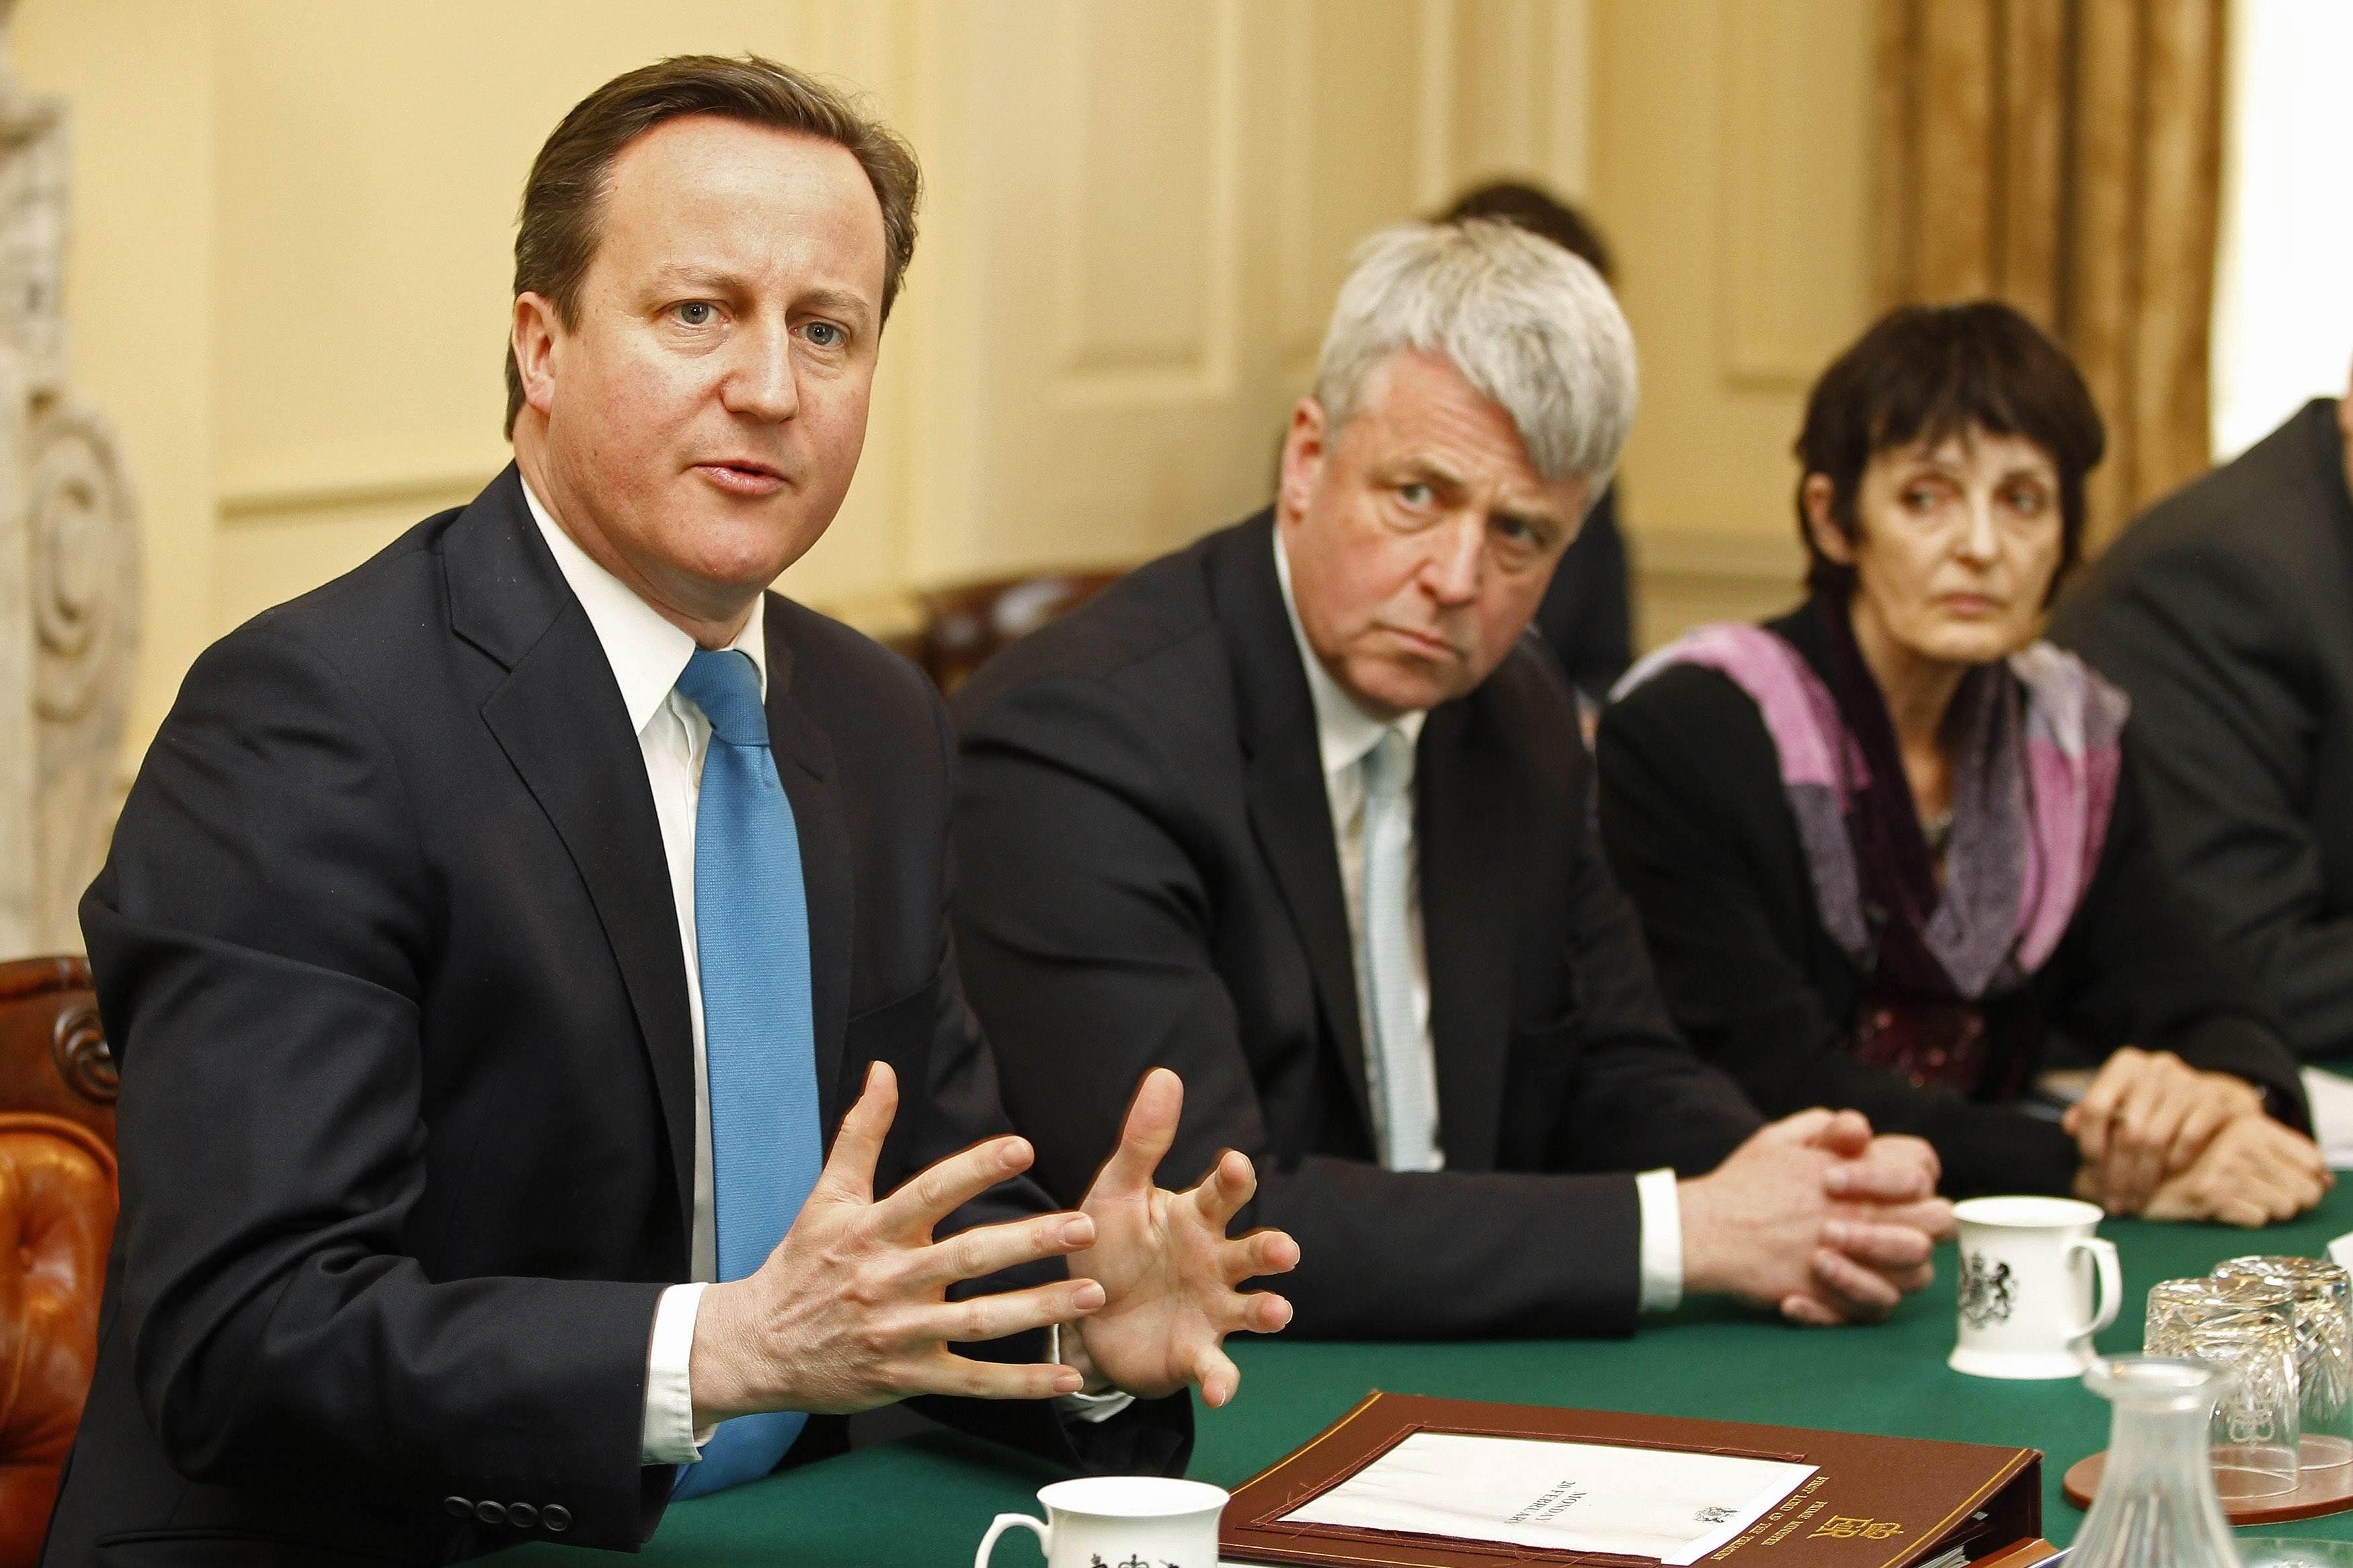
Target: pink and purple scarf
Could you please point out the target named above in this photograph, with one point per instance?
(2037, 757)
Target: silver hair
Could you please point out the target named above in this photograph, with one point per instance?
(1531, 328)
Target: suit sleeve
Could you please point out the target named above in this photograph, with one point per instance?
(2225, 700)
(1690, 807)
(258, 937)
(1642, 1097)
(961, 1105)
(1090, 925)
(2136, 967)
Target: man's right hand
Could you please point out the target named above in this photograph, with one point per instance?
(850, 1311)
(1816, 1218)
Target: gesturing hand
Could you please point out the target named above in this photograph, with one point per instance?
(1166, 1267)
(851, 1311)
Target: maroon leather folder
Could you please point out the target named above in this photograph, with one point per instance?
(1872, 1503)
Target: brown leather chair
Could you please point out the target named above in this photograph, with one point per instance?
(963, 625)
(57, 1199)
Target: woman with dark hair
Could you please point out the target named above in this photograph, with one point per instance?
(1888, 845)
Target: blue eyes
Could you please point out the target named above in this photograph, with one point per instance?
(699, 313)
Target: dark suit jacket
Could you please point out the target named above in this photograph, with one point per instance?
(1586, 615)
(387, 949)
(2227, 611)
(1149, 877)
(1705, 843)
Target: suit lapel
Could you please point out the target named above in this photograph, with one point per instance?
(1290, 814)
(559, 719)
(1464, 811)
(804, 763)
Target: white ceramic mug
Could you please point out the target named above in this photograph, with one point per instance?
(1120, 1521)
(2032, 1273)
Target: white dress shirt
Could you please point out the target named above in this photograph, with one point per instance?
(1346, 733)
(648, 655)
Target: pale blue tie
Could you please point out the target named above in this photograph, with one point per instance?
(1397, 1053)
(752, 941)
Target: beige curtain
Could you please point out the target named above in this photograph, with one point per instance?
(2065, 156)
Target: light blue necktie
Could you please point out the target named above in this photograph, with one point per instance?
(752, 939)
(1399, 1060)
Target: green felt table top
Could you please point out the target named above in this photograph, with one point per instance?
(927, 1500)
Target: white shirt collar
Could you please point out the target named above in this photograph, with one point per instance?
(1344, 729)
(647, 653)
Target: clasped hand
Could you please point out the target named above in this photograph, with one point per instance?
(1815, 1216)
(852, 1310)
(2160, 1138)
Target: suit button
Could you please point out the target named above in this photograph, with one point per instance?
(458, 1507)
(557, 1517)
(522, 1515)
(489, 1513)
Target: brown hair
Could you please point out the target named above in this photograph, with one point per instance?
(562, 200)
(1924, 373)
(1538, 211)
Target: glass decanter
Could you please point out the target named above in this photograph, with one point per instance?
(2156, 1507)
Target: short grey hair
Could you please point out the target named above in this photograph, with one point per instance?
(1531, 328)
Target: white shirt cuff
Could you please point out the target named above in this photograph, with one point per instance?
(1088, 1407)
(669, 1436)
(1663, 1241)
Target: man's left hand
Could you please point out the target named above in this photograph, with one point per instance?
(1167, 1269)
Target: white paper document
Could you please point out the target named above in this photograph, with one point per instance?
(2331, 1097)
(1576, 1496)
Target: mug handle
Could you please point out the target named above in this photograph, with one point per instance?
(2110, 1288)
(1005, 1521)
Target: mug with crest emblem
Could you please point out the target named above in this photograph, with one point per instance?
(2036, 1284)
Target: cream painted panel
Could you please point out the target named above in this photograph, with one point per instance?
(1519, 100)
(1093, 428)
(1708, 478)
(1143, 186)
(1797, 243)
(1355, 130)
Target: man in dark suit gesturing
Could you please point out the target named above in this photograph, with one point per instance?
(494, 936)
(1299, 813)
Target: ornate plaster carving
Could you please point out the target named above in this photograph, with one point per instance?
(68, 556)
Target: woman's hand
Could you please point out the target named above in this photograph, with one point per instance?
(2254, 1172)
(2147, 1117)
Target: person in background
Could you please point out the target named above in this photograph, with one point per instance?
(1884, 845)
(2226, 611)
(1299, 813)
(1586, 615)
